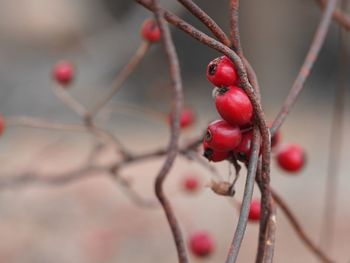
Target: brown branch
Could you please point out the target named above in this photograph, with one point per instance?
(299, 230)
(122, 76)
(309, 61)
(207, 21)
(338, 15)
(247, 197)
(174, 133)
(234, 27)
(69, 101)
(335, 145)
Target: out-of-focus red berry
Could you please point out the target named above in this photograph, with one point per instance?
(254, 210)
(150, 31)
(63, 73)
(291, 158)
(201, 244)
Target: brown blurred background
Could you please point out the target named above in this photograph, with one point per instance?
(91, 220)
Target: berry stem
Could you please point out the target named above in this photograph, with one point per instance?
(122, 76)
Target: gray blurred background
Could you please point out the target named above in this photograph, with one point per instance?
(91, 221)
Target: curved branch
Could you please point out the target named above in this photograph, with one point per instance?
(207, 21)
(175, 132)
(305, 69)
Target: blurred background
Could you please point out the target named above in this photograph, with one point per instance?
(91, 220)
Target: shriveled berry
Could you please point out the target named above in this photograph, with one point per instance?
(291, 158)
(201, 244)
(276, 139)
(222, 136)
(63, 73)
(254, 210)
(234, 106)
(213, 155)
(150, 31)
(221, 72)
(190, 183)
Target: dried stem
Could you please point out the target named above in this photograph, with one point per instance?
(299, 229)
(174, 133)
(335, 146)
(247, 197)
(207, 21)
(309, 61)
(122, 76)
(338, 15)
(69, 101)
(234, 26)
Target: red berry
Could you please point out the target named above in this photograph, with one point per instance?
(187, 118)
(234, 106)
(243, 150)
(222, 136)
(150, 30)
(254, 210)
(221, 72)
(201, 244)
(63, 73)
(213, 155)
(2, 124)
(291, 158)
(190, 183)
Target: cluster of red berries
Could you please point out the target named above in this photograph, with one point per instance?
(232, 134)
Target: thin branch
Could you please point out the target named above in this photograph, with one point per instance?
(247, 196)
(69, 101)
(309, 61)
(174, 133)
(234, 27)
(122, 76)
(335, 145)
(321, 255)
(207, 21)
(338, 15)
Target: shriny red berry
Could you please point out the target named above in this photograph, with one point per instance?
(243, 150)
(2, 124)
(187, 118)
(201, 244)
(63, 73)
(291, 158)
(222, 136)
(213, 155)
(150, 31)
(234, 106)
(221, 72)
(190, 183)
(254, 210)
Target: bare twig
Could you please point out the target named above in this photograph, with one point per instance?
(234, 26)
(321, 255)
(69, 101)
(247, 196)
(122, 76)
(309, 61)
(174, 133)
(338, 15)
(335, 145)
(207, 21)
